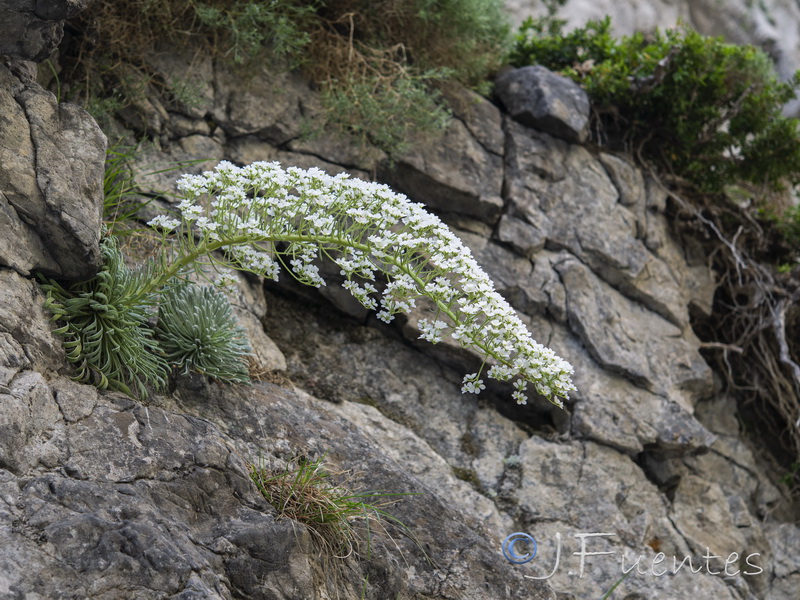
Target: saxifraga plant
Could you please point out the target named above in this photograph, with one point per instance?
(197, 331)
(264, 218)
(105, 325)
(108, 337)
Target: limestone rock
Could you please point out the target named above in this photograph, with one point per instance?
(627, 339)
(158, 501)
(52, 158)
(612, 410)
(103, 497)
(25, 328)
(525, 238)
(566, 490)
(786, 567)
(247, 112)
(539, 98)
(483, 119)
(709, 525)
(191, 79)
(454, 174)
(26, 442)
(567, 195)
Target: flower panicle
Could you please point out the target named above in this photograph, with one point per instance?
(389, 250)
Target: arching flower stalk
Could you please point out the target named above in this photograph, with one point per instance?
(266, 218)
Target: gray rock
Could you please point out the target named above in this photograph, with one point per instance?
(249, 148)
(612, 410)
(785, 539)
(52, 158)
(567, 194)
(569, 489)
(525, 238)
(627, 339)
(701, 513)
(191, 79)
(245, 111)
(539, 98)
(483, 119)
(250, 307)
(156, 170)
(453, 174)
(25, 328)
(157, 502)
(31, 29)
(26, 442)
(628, 180)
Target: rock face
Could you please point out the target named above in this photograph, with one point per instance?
(51, 182)
(154, 502)
(103, 497)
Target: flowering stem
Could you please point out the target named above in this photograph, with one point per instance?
(363, 227)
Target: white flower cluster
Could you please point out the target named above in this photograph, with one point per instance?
(266, 216)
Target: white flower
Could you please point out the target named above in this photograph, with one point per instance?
(164, 222)
(367, 229)
(472, 384)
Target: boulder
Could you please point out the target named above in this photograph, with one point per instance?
(539, 98)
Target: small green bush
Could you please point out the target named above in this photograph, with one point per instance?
(694, 105)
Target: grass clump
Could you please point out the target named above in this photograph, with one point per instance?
(696, 106)
(379, 63)
(339, 519)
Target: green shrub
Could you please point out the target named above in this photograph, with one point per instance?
(384, 113)
(242, 29)
(703, 109)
